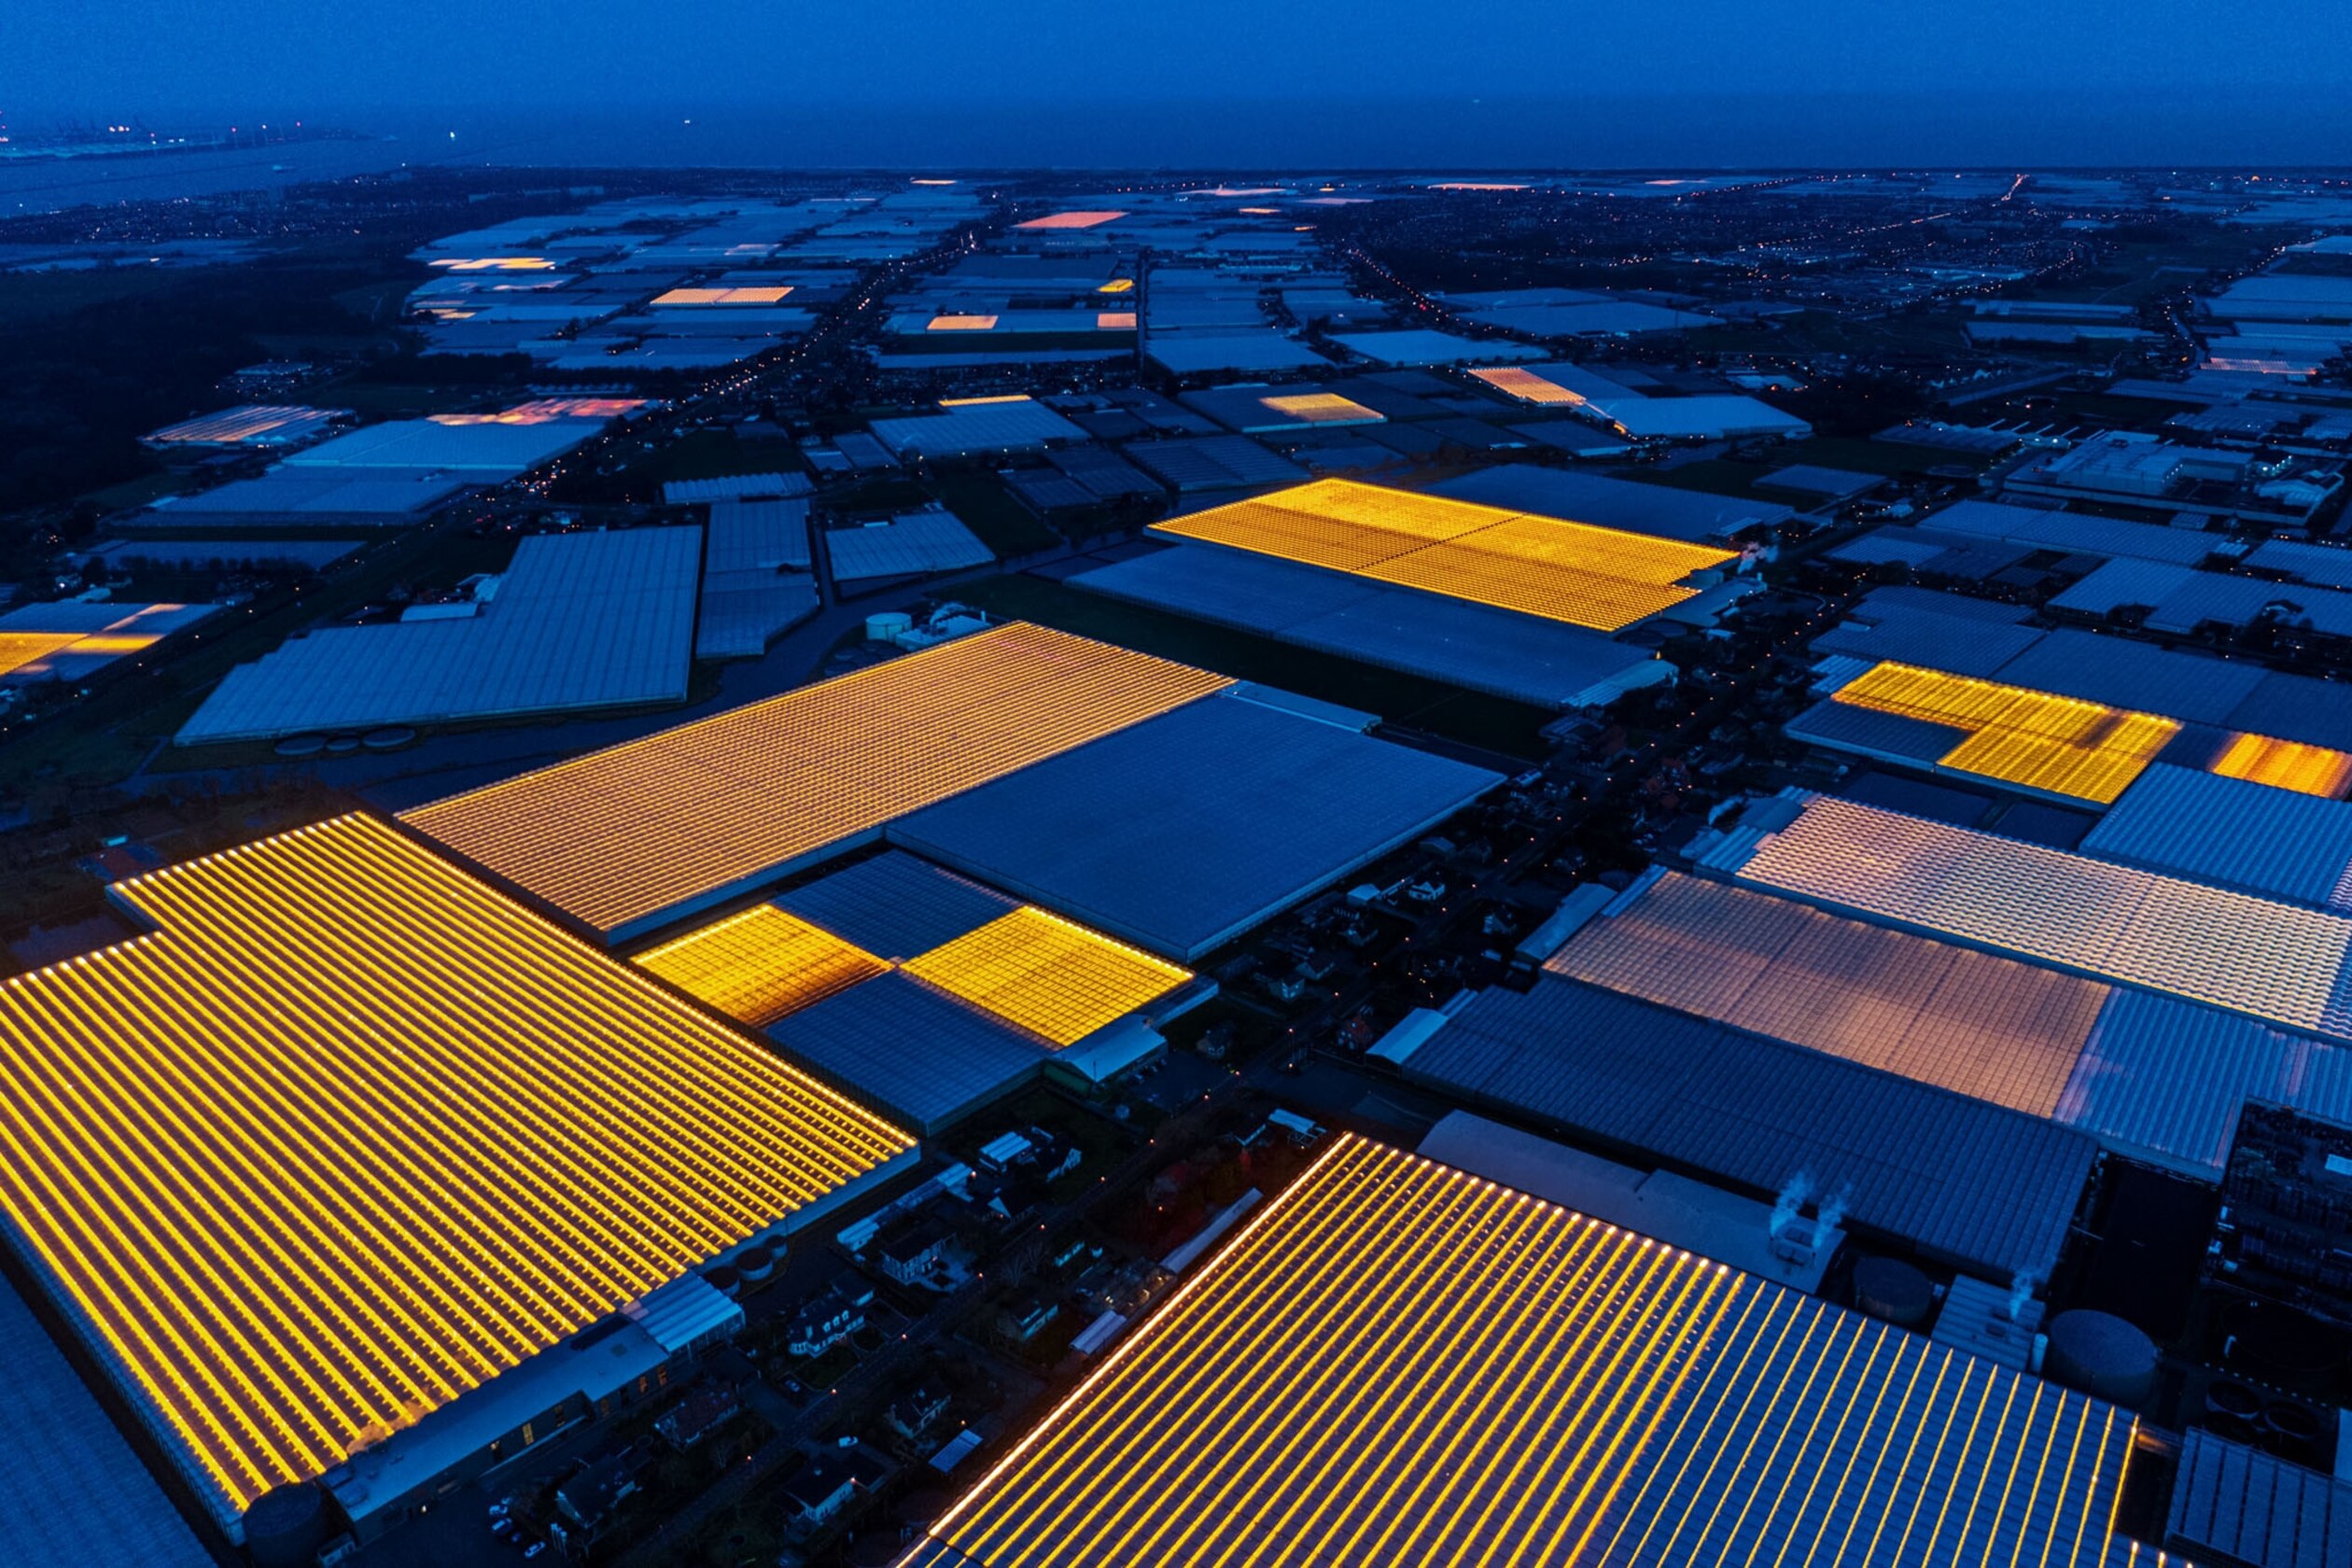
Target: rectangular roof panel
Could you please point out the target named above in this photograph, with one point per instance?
(1400, 1363)
(620, 835)
(461, 1135)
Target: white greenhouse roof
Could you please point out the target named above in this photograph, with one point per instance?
(579, 620)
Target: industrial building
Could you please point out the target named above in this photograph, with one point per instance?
(948, 996)
(71, 1489)
(256, 425)
(272, 1305)
(72, 639)
(2065, 748)
(914, 544)
(1546, 567)
(981, 754)
(976, 426)
(2150, 1075)
(1693, 516)
(1359, 1374)
(1520, 604)
(2276, 963)
(578, 621)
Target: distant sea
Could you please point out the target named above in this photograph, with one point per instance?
(2167, 128)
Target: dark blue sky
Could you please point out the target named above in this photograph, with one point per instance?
(2282, 63)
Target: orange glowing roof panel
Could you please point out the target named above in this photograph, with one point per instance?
(1072, 220)
(349, 1134)
(1053, 978)
(2286, 764)
(624, 833)
(498, 264)
(1117, 285)
(1528, 386)
(758, 965)
(2036, 740)
(1547, 567)
(766, 295)
(1115, 321)
(961, 324)
(1322, 407)
(1399, 1365)
(22, 649)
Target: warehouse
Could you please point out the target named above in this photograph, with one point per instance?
(337, 975)
(1197, 465)
(579, 621)
(2152, 1076)
(686, 819)
(1181, 832)
(72, 639)
(1523, 658)
(1257, 410)
(2231, 833)
(482, 451)
(287, 497)
(1359, 1376)
(976, 426)
(1546, 567)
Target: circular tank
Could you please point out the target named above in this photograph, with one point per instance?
(390, 738)
(301, 745)
(722, 1278)
(887, 625)
(286, 1526)
(1893, 1290)
(2101, 1355)
(755, 1262)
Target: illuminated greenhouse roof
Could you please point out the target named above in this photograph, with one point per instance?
(350, 1134)
(1396, 1363)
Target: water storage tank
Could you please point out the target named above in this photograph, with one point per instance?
(887, 625)
(1893, 1290)
(755, 1262)
(722, 1278)
(2101, 1355)
(286, 1527)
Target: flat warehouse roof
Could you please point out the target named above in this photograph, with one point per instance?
(620, 835)
(1972, 1183)
(2059, 745)
(2249, 955)
(1179, 833)
(462, 1135)
(1987, 1027)
(1539, 565)
(1400, 1363)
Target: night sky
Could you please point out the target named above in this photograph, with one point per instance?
(1709, 79)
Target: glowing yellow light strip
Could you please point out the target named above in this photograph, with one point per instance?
(351, 1134)
(758, 965)
(2061, 745)
(1052, 977)
(1399, 1363)
(2286, 764)
(1547, 567)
